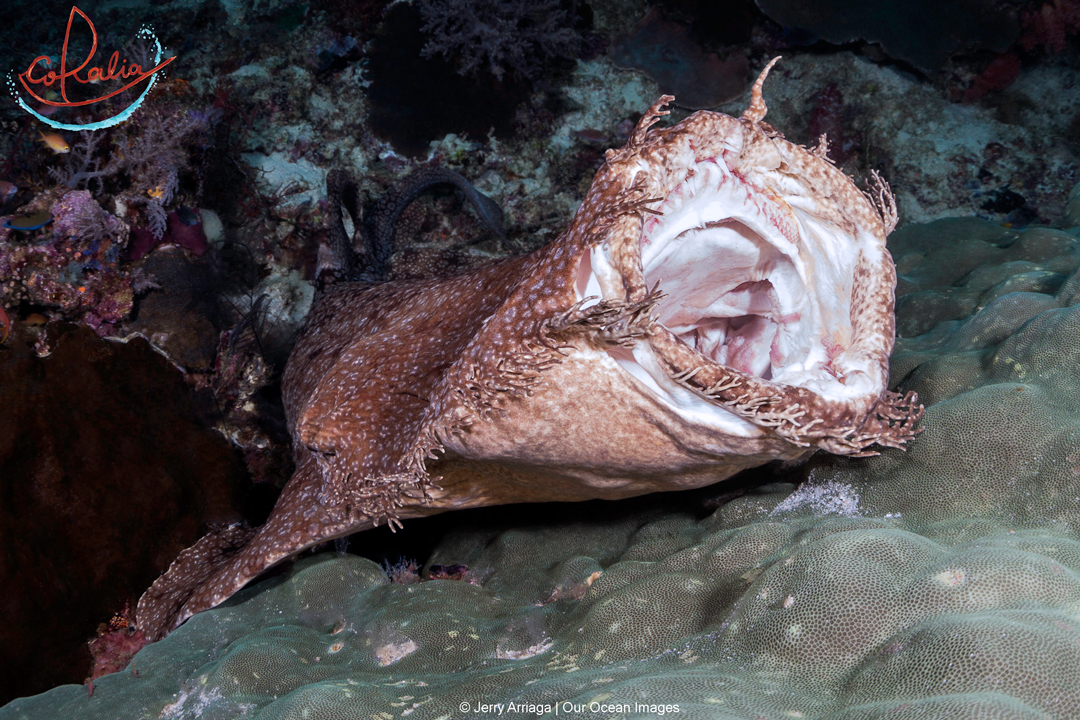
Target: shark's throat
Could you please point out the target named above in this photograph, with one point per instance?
(749, 281)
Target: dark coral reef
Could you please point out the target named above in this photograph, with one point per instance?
(109, 469)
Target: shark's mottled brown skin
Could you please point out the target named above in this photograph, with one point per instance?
(743, 312)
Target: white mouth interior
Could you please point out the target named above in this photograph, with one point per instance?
(740, 291)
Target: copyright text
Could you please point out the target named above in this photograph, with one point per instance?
(567, 707)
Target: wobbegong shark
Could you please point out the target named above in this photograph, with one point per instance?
(722, 298)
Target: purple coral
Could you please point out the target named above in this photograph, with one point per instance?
(149, 153)
(154, 155)
(78, 215)
(72, 266)
(504, 35)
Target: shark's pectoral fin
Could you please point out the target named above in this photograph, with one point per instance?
(165, 600)
(224, 561)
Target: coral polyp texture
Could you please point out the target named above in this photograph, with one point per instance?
(940, 582)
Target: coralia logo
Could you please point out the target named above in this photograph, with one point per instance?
(40, 73)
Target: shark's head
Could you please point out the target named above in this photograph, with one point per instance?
(775, 309)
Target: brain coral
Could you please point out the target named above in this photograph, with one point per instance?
(940, 582)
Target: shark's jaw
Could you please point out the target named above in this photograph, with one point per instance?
(751, 279)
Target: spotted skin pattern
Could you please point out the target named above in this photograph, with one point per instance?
(501, 385)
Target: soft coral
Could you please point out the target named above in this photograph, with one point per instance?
(1050, 25)
(505, 35)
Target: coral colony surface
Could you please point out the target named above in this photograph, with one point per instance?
(379, 191)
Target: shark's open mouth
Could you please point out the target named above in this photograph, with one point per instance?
(734, 288)
(749, 281)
